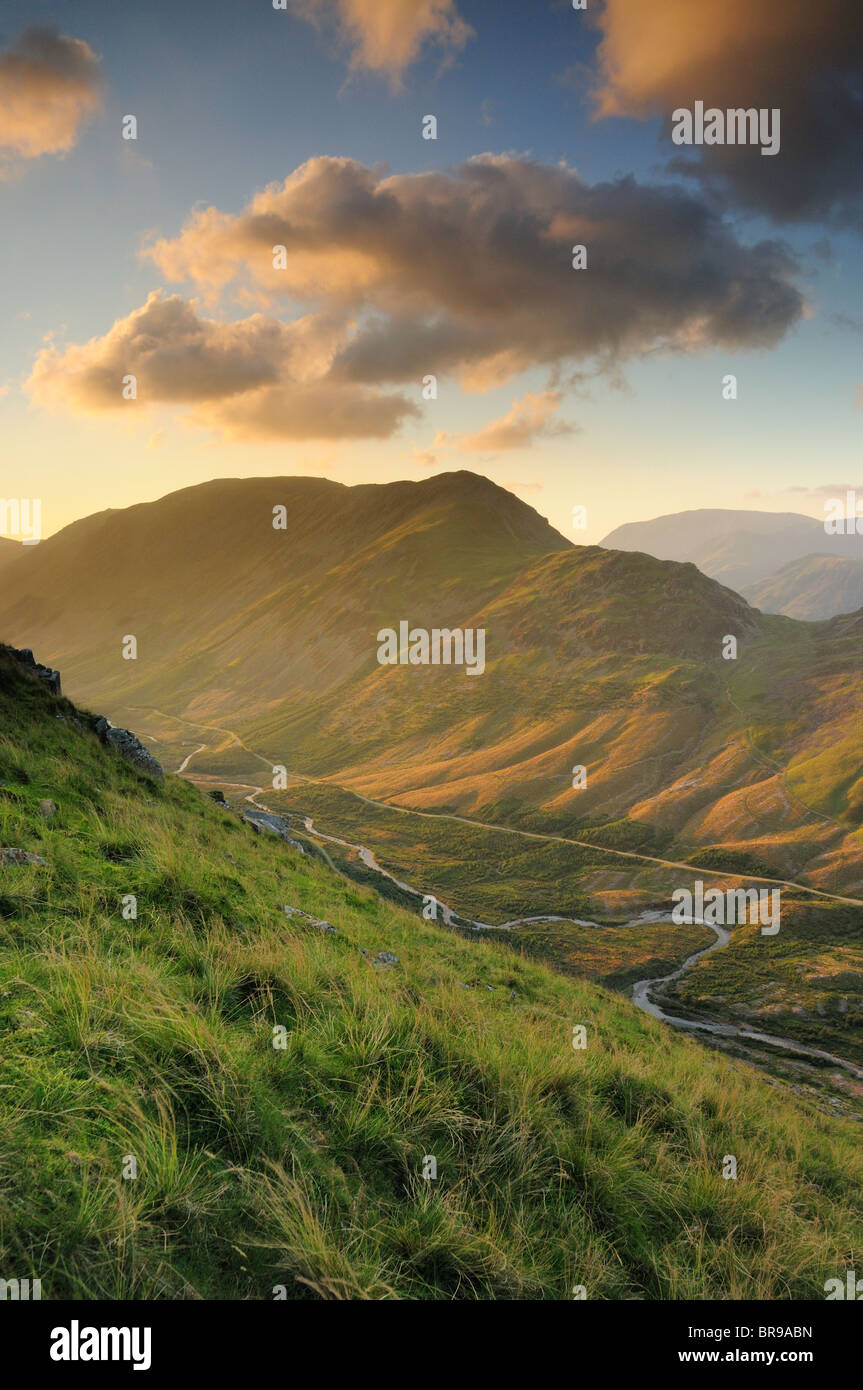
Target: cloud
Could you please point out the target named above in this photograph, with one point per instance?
(801, 57)
(531, 418)
(258, 378)
(423, 458)
(386, 36)
(812, 494)
(470, 271)
(49, 86)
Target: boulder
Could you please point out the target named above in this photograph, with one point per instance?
(20, 856)
(266, 821)
(128, 746)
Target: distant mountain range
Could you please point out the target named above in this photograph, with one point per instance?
(813, 587)
(595, 657)
(780, 561)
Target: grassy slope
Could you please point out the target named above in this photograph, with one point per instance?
(303, 1167)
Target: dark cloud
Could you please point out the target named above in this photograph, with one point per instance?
(471, 270)
(804, 57)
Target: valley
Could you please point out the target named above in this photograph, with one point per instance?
(611, 952)
(152, 1035)
(741, 773)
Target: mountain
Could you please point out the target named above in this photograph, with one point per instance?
(216, 596)
(742, 549)
(283, 1080)
(9, 551)
(258, 648)
(811, 588)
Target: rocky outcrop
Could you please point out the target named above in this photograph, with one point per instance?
(128, 746)
(26, 658)
(121, 740)
(267, 821)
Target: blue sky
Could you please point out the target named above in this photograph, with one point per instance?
(230, 98)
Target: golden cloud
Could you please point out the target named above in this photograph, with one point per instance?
(386, 36)
(258, 378)
(470, 271)
(530, 418)
(49, 86)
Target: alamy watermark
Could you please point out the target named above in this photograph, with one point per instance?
(441, 646)
(20, 1290)
(848, 1288)
(21, 519)
(77, 1343)
(736, 126)
(843, 518)
(734, 905)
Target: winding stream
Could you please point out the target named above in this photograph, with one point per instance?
(641, 990)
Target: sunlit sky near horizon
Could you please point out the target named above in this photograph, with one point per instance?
(628, 421)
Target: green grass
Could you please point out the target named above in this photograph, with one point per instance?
(257, 1167)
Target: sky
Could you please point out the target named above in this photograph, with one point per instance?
(407, 258)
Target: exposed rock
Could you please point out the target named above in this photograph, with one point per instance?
(47, 809)
(20, 856)
(262, 821)
(26, 658)
(128, 746)
(315, 922)
(384, 960)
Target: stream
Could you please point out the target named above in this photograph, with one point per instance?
(641, 990)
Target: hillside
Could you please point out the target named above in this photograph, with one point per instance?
(9, 551)
(258, 648)
(748, 551)
(231, 611)
(151, 1039)
(812, 588)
